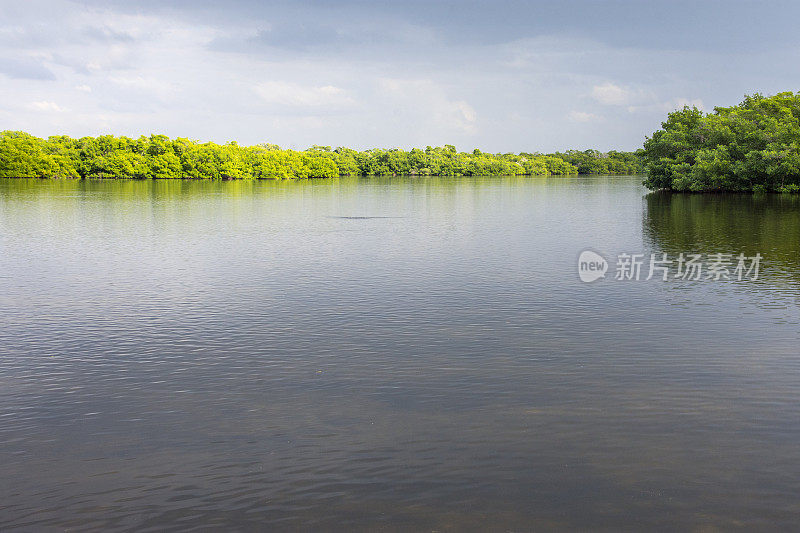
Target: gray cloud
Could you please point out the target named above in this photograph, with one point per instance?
(710, 25)
(300, 38)
(505, 75)
(107, 35)
(25, 69)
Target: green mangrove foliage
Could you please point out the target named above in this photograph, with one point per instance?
(594, 162)
(754, 146)
(158, 157)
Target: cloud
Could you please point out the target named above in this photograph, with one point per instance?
(25, 69)
(640, 100)
(668, 105)
(610, 94)
(467, 113)
(582, 116)
(679, 103)
(293, 94)
(425, 101)
(376, 73)
(45, 106)
(286, 36)
(146, 85)
(107, 35)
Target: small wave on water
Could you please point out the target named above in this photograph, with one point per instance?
(358, 218)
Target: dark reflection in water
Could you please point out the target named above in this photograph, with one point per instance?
(178, 355)
(767, 223)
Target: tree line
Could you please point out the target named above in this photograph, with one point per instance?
(753, 146)
(159, 157)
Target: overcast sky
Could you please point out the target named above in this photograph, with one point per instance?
(499, 75)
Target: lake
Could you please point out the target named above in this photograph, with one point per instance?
(396, 354)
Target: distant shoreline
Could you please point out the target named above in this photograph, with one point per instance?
(159, 157)
(416, 176)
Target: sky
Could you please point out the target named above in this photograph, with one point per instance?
(502, 76)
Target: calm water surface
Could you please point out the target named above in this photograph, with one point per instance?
(392, 354)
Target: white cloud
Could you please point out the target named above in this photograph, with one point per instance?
(465, 111)
(293, 94)
(145, 84)
(83, 88)
(582, 116)
(610, 94)
(45, 106)
(429, 101)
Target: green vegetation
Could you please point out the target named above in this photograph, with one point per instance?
(594, 162)
(22, 155)
(754, 146)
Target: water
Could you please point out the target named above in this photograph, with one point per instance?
(392, 354)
